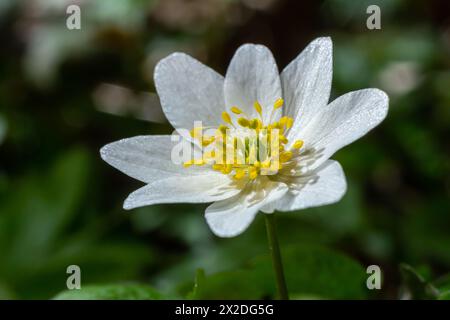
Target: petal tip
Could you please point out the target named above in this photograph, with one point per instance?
(342, 185)
(260, 48)
(128, 204)
(322, 42)
(104, 152)
(168, 59)
(382, 100)
(223, 232)
(383, 95)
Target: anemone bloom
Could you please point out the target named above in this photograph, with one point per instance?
(252, 95)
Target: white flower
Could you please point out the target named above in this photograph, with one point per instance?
(296, 101)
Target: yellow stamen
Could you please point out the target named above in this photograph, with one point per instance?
(227, 169)
(188, 163)
(289, 123)
(255, 124)
(226, 117)
(258, 108)
(206, 141)
(283, 139)
(244, 122)
(223, 129)
(265, 164)
(236, 110)
(209, 155)
(199, 162)
(240, 173)
(297, 144)
(276, 125)
(247, 157)
(253, 173)
(196, 132)
(285, 156)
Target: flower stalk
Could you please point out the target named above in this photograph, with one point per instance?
(276, 257)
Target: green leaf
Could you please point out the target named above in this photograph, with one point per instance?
(111, 292)
(444, 296)
(51, 202)
(99, 263)
(322, 272)
(443, 285)
(199, 280)
(6, 293)
(42, 236)
(309, 271)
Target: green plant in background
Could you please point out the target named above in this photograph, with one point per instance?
(395, 210)
(36, 242)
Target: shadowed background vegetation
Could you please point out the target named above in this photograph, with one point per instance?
(64, 94)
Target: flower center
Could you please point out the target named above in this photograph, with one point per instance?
(246, 147)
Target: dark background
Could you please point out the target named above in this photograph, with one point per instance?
(65, 93)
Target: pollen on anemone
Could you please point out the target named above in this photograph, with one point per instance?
(256, 148)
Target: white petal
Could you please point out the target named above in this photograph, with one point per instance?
(189, 91)
(145, 158)
(324, 186)
(306, 83)
(343, 121)
(196, 189)
(253, 76)
(232, 216)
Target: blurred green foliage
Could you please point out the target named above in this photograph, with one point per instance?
(61, 205)
(256, 279)
(112, 292)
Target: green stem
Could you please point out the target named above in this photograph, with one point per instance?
(276, 256)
